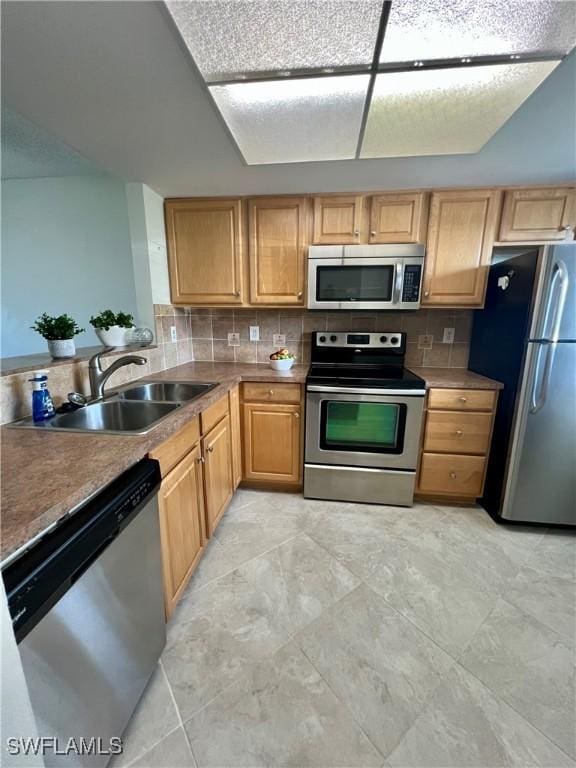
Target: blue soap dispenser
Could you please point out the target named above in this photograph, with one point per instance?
(42, 405)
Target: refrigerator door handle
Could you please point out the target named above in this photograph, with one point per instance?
(539, 394)
(554, 311)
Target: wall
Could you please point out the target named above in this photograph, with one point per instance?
(65, 248)
(146, 215)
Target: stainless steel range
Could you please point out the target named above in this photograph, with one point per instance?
(363, 419)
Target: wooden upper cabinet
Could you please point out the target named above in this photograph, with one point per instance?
(205, 245)
(338, 219)
(398, 218)
(461, 232)
(278, 239)
(181, 506)
(538, 215)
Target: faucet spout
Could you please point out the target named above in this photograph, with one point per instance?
(99, 377)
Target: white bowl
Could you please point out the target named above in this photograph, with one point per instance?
(282, 365)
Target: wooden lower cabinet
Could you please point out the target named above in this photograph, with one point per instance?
(218, 475)
(272, 443)
(452, 475)
(457, 436)
(235, 435)
(181, 507)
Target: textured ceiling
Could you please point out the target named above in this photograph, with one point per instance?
(114, 80)
(31, 152)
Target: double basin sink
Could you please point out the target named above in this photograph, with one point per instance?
(133, 410)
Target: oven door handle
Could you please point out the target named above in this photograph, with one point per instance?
(366, 391)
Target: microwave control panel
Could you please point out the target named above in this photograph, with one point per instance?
(411, 283)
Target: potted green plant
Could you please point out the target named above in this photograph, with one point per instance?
(59, 332)
(112, 329)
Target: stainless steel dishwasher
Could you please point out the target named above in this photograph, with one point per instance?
(87, 609)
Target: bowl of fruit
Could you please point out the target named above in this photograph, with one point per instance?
(282, 360)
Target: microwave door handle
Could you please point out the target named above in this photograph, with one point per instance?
(397, 282)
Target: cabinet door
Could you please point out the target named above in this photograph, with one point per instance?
(218, 478)
(272, 442)
(205, 243)
(538, 215)
(461, 233)
(338, 220)
(235, 435)
(181, 505)
(278, 237)
(398, 218)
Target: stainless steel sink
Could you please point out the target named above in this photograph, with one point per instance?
(165, 391)
(107, 416)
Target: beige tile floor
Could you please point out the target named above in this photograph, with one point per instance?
(330, 634)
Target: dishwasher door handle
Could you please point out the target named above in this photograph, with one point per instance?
(92, 558)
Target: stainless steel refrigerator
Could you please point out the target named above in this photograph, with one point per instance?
(525, 337)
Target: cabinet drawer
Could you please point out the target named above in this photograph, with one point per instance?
(450, 475)
(213, 414)
(461, 399)
(272, 393)
(454, 432)
(174, 449)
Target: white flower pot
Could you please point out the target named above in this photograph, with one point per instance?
(282, 365)
(115, 336)
(62, 348)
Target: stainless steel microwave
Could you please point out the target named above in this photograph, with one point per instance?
(376, 277)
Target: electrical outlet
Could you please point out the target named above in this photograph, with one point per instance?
(173, 334)
(448, 337)
(425, 341)
(254, 333)
(279, 339)
(233, 339)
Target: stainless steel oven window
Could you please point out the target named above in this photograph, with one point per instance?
(407, 459)
(361, 426)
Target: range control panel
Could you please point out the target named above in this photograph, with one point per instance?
(411, 283)
(383, 340)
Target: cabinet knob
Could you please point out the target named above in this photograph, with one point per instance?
(459, 433)
(463, 399)
(236, 293)
(453, 475)
(270, 391)
(426, 293)
(356, 232)
(210, 448)
(299, 295)
(296, 415)
(373, 232)
(200, 459)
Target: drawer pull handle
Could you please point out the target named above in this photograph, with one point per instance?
(463, 399)
(459, 433)
(453, 475)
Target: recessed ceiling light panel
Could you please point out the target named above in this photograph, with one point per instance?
(228, 39)
(290, 121)
(445, 29)
(446, 111)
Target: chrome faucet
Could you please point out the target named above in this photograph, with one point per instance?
(98, 377)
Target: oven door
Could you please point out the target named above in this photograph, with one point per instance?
(364, 283)
(363, 428)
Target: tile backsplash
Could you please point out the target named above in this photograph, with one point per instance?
(209, 329)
